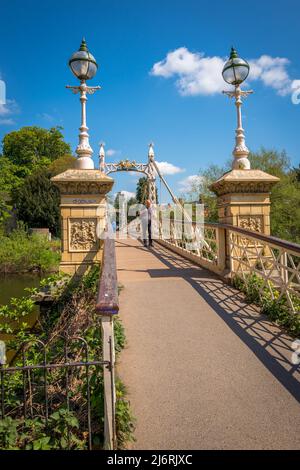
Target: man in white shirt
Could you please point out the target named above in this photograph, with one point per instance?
(146, 219)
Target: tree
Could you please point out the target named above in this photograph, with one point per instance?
(37, 199)
(37, 202)
(32, 151)
(285, 195)
(62, 164)
(142, 191)
(31, 147)
(200, 191)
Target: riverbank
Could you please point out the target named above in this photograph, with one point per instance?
(21, 252)
(71, 322)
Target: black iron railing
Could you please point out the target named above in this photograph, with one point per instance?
(47, 386)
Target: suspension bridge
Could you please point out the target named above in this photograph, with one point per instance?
(204, 368)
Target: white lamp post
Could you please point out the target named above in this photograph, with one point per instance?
(235, 71)
(84, 66)
(102, 157)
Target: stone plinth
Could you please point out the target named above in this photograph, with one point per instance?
(244, 199)
(83, 203)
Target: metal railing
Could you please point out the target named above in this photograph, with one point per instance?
(236, 252)
(41, 389)
(107, 306)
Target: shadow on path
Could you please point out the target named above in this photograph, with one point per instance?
(270, 344)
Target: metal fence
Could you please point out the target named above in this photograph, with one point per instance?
(42, 388)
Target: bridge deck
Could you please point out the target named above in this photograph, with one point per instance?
(203, 369)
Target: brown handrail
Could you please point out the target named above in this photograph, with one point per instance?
(258, 236)
(108, 297)
(249, 233)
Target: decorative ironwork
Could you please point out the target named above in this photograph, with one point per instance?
(275, 262)
(45, 387)
(277, 267)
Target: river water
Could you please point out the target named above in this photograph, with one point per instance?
(13, 285)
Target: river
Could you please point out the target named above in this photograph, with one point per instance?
(13, 285)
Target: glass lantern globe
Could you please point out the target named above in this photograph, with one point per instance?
(82, 63)
(236, 69)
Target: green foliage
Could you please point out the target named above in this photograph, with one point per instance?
(61, 164)
(285, 195)
(17, 309)
(119, 335)
(33, 146)
(125, 422)
(20, 252)
(60, 433)
(10, 178)
(39, 152)
(37, 202)
(142, 191)
(200, 191)
(64, 429)
(276, 306)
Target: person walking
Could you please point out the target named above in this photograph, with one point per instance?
(146, 219)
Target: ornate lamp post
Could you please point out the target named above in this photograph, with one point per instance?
(235, 71)
(84, 66)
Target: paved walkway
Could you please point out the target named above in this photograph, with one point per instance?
(203, 369)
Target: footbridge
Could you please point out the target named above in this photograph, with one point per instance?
(212, 354)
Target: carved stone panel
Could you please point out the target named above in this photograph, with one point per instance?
(251, 222)
(82, 234)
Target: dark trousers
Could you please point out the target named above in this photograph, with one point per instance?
(147, 233)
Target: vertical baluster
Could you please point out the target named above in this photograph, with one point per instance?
(113, 397)
(24, 384)
(46, 385)
(88, 396)
(2, 390)
(67, 386)
(284, 267)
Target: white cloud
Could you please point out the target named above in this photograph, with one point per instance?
(112, 152)
(272, 72)
(6, 111)
(127, 194)
(10, 107)
(190, 183)
(46, 117)
(167, 168)
(199, 75)
(7, 122)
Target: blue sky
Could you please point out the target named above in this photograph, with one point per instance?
(179, 104)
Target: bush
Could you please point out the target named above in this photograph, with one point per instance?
(20, 252)
(72, 313)
(276, 307)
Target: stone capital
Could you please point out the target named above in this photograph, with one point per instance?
(76, 181)
(244, 181)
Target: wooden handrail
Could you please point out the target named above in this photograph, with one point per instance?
(108, 297)
(258, 236)
(251, 234)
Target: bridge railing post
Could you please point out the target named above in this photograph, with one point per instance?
(108, 306)
(221, 248)
(108, 355)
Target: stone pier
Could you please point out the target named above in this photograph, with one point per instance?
(83, 204)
